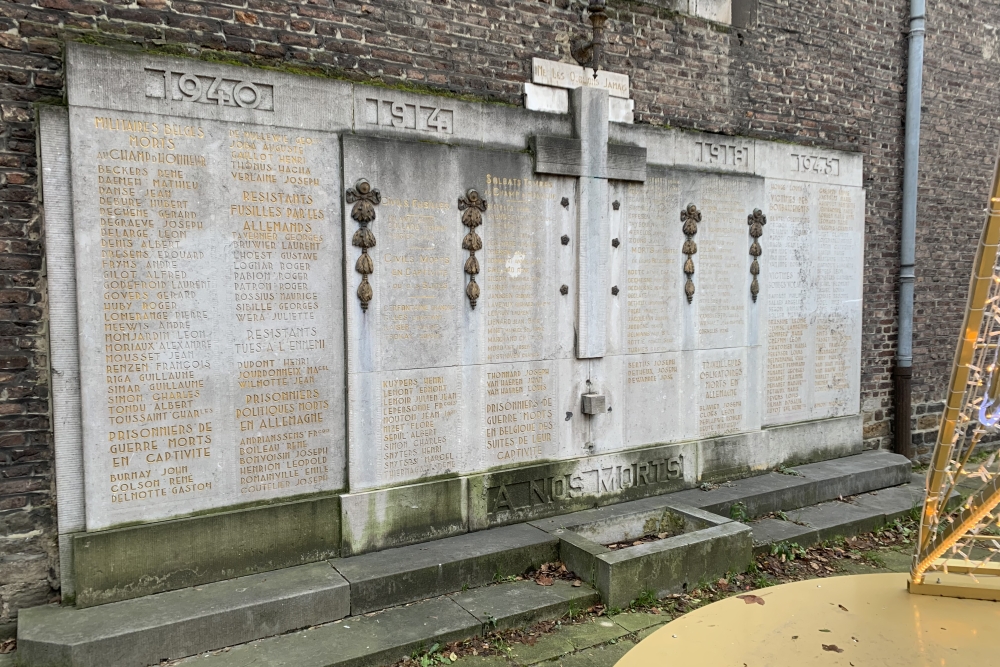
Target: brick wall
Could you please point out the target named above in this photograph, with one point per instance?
(825, 73)
(959, 134)
(29, 72)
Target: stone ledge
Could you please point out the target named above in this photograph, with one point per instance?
(383, 638)
(405, 574)
(805, 485)
(125, 563)
(524, 603)
(830, 520)
(141, 632)
(363, 641)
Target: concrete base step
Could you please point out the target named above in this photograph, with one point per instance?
(166, 626)
(802, 486)
(385, 637)
(393, 577)
(839, 518)
(176, 624)
(144, 631)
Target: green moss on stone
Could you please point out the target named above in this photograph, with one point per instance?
(275, 65)
(124, 563)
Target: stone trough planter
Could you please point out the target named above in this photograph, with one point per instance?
(701, 546)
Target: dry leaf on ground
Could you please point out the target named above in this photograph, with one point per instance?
(751, 599)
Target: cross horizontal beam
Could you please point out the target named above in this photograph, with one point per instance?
(564, 156)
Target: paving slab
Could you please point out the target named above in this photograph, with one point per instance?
(650, 630)
(545, 647)
(419, 571)
(378, 639)
(600, 656)
(897, 561)
(857, 567)
(524, 602)
(593, 632)
(635, 621)
(175, 624)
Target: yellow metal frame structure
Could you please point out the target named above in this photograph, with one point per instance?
(964, 539)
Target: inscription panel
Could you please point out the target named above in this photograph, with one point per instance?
(519, 413)
(413, 116)
(223, 91)
(813, 267)
(565, 75)
(559, 487)
(791, 299)
(499, 354)
(657, 399)
(520, 266)
(210, 333)
(722, 313)
(420, 424)
(653, 283)
(722, 380)
(839, 274)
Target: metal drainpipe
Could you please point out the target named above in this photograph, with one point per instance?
(907, 251)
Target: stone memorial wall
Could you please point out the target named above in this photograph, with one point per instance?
(445, 315)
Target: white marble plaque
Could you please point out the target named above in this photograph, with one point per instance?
(566, 75)
(654, 286)
(218, 289)
(210, 331)
(812, 267)
(495, 357)
(520, 411)
(722, 313)
(655, 388)
(722, 380)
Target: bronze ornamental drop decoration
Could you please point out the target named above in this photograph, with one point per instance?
(365, 199)
(690, 216)
(472, 206)
(756, 221)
